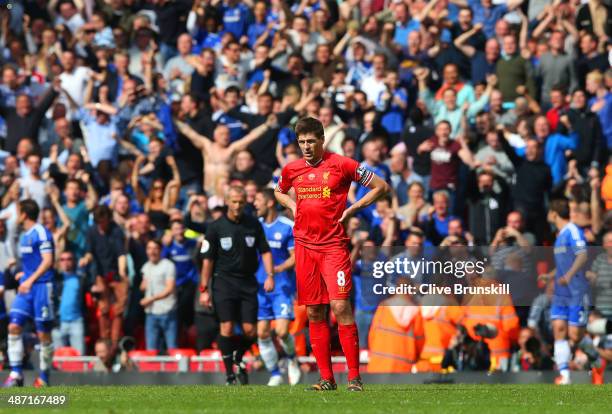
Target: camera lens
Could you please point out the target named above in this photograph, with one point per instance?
(127, 343)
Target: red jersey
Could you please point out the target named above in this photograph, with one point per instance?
(321, 191)
(445, 163)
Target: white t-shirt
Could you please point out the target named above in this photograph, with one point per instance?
(74, 84)
(73, 24)
(156, 276)
(373, 88)
(34, 189)
(516, 141)
(9, 214)
(335, 142)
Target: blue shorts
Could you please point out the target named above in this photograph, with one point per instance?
(573, 310)
(37, 304)
(274, 306)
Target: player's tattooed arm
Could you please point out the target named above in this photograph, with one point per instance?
(378, 188)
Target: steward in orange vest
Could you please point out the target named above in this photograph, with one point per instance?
(440, 326)
(396, 336)
(495, 310)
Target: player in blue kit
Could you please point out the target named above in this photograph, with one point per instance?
(570, 302)
(34, 298)
(276, 305)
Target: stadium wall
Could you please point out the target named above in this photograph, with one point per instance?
(261, 378)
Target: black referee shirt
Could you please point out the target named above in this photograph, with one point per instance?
(234, 245)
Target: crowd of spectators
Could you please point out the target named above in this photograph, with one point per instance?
(126, 121)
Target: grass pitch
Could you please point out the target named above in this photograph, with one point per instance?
(455, 399)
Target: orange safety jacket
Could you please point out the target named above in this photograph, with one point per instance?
(606, 187)
(498, 311)
(440, 326)
(396, 336)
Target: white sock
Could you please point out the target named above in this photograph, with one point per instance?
(288, 345)
(268, 354)
(15, 350)
(46, 356)
(563, 353)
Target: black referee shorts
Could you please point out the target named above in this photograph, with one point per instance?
(235, 298)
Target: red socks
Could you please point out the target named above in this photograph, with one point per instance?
(321, 348)
(349, 340)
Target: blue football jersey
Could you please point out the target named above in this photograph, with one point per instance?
(32, 245)
(236, 19)
(182, 257)
(569, 243)
(279, 234)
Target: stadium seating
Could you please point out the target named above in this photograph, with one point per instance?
(210, 361)
(143, 364)
(178, 353)
(69, 366)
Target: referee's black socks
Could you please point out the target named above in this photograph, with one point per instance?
(244, 343)
(227, 347)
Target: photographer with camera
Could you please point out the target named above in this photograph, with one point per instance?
(109, 362)
(470, 352)
(531, 354)
(491, 318)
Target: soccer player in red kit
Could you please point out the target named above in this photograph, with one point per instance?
(321, 181)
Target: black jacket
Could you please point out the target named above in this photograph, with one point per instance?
(413, 136)
(533, 181)
(591, 146)
(486, 211)
(19, 127)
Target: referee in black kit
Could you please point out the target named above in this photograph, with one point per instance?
(231, 260)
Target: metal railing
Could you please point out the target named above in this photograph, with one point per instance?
(176, 363)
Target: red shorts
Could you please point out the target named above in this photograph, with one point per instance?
(322, 275)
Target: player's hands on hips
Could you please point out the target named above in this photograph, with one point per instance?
(293, 207)
(269, 284)
(25, 287)
(205, 299)
(346, 215)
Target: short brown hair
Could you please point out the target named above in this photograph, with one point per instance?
(561, 207)
(102, 212)
(309, 125)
